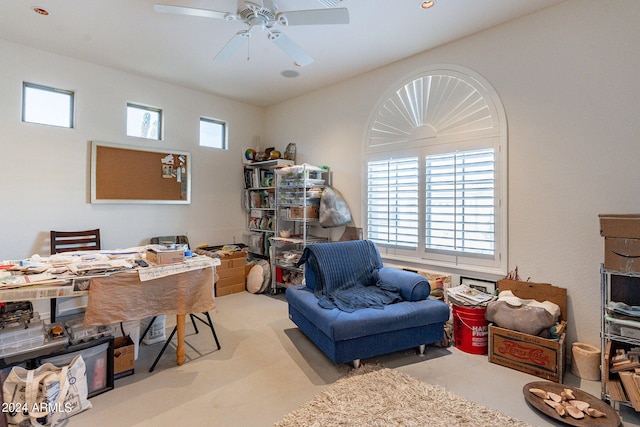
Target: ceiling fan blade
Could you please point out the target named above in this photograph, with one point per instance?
(190, 11)
(232, 46)
(315, 17)
(288, 46)
(330, 3)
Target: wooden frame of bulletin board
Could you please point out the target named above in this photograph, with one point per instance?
(127, 174)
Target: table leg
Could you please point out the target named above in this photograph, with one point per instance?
(180, 350)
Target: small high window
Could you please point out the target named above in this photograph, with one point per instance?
(47, 105)
(213, 133)
(144, 122)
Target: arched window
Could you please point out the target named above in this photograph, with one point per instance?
(436, 173)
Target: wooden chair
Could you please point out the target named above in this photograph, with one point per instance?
(67, 241)
(180, 240)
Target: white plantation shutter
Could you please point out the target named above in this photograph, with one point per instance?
(436, 180)
(393, 202)
(460, 200)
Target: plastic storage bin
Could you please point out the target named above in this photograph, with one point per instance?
(98, 358)
(16, 338)
(79, 333)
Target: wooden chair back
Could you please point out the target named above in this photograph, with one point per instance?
(178, 240)
(65, 241)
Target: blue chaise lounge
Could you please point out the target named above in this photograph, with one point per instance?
(352, 307)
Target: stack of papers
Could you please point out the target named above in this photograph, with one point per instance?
(465, 295)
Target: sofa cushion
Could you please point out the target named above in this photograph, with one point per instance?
(339, 325)
(413, 287)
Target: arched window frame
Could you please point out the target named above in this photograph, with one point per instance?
(442, 109)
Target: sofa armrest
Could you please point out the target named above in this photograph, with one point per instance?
(413, 287)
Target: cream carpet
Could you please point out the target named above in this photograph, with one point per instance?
(378, 396)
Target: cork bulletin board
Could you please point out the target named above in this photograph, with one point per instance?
(127, 174)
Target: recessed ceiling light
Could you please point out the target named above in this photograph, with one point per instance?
(40, 11)
(291, 74)
(427, 4)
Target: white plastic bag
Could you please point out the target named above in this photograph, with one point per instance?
(47, 395)
(334, 210)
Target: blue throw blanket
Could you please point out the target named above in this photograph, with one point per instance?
(346, 276)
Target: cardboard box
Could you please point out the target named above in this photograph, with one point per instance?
(233, 260)
(232, 274)
(237, 272)
(544, 358)
(123, 357)
(622, 254)
(230, 288)
(621, 241)
(298, 212)
(625, 225)
(160, 257)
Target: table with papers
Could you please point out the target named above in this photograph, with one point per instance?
(118, 290)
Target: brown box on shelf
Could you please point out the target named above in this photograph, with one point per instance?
(621, 241)
(622, 254)
(123, 357)
(298, 212)
(624, 225)
(544, 358)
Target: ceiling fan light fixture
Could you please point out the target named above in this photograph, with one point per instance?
(427, 4)
(40, 11)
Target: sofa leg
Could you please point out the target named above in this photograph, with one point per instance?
(356, 364)
(422, 348)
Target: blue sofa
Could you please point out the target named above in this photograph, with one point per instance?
(337, 271)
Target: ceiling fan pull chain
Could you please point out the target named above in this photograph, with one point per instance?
(248, 49)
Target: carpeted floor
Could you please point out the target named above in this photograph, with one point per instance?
(378, 396)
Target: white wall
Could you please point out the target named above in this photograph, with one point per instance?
(45, 169)
(567, 77)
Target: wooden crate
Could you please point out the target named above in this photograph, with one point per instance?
(544, 358)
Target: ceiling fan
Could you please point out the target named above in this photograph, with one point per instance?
(265, 17)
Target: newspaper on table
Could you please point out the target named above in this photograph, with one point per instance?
(466, 295)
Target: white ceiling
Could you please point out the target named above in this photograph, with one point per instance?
(129, 35)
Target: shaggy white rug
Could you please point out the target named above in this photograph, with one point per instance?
(384, 397)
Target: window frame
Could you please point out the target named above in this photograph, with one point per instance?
(225, 132)
(142, 107)
(69, 93)
(428, 140)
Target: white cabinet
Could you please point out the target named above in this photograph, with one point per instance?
(297, 201)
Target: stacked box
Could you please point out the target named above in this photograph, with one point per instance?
(544, 358)
(299, 212)
(231, 274)
(621, 242)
